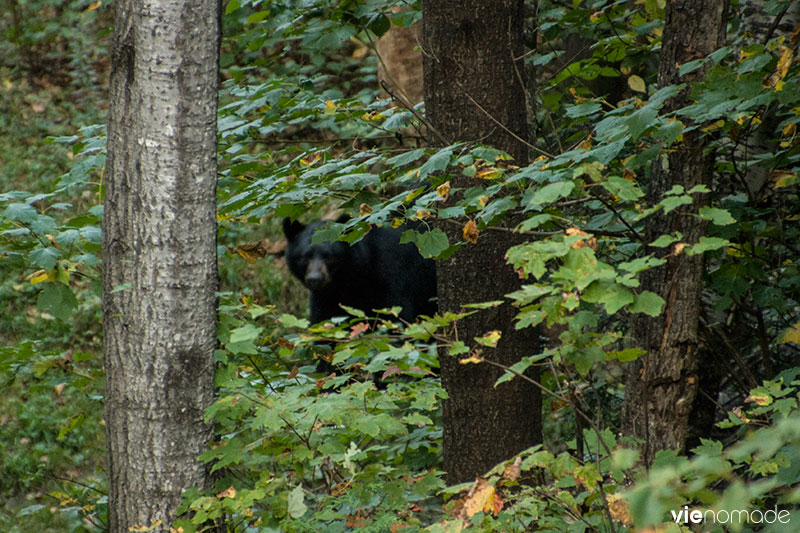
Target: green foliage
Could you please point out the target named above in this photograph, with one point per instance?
(301, 134)
(759, 472)
(329, 451)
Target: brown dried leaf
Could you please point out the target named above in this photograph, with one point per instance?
(443, 190)
(230, 492)
(471, 232)
(618, 508)
(513, 471)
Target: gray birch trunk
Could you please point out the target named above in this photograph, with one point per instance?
(662, 385)
(159, 255)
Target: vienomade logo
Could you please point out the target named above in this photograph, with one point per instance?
(738, 516)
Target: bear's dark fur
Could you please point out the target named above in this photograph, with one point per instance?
(374, 273)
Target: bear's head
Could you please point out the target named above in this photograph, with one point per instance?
(313, 264)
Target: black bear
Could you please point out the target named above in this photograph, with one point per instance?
(374, 273)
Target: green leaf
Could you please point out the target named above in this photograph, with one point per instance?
(707, 244)
(296, 506)
(45, 257)
(673, 202)
(630, 354)
(436, 163)
(720, 217)
(248, 332)
(648, 303)
(624, 189)
(616, 298)
(430, 244)
(664, 240)
(550, 193)
(21, 212)
(58, 300)
(691, 66)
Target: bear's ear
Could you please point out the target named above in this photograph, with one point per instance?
(292, 228)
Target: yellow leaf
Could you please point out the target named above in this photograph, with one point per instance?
(636, 84)
(443, 190)
(473, 359)
(310, 159)
(678, 248)
(784, 62)
(482, 498)
(94, 5)
(330, 107)
(783, 178)
(791, 335)
(490, 339)
(488, 173)
(775, 80)
(230, 492)
(713, 126)
(39, 276)
(761, 400)
(371, 116)
(364, 209)
(591, 242)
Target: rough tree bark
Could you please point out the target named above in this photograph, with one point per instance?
(159, 255)
(662, 385)
(474, 92)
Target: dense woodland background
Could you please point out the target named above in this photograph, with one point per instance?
(649, 215)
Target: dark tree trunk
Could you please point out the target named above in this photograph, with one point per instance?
(474, 92)
(159, 255)
(662, 385)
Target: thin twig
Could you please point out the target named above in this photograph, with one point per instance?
(502, 126)
(414, 112)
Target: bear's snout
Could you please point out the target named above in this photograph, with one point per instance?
(317, 275)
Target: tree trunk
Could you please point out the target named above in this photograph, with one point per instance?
(662, 385)
(400, 62)
(159, 255)
(474, 92)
